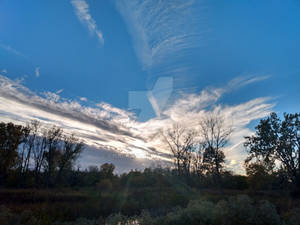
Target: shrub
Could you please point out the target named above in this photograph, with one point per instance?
(117, 219)
(6, 216)
(267, 214)
(241, 210)
(146, 219)
(197, 213)
(293, 217)
(25, 218)
(81, 221)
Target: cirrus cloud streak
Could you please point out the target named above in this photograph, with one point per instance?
(109, 129)
(82, 11)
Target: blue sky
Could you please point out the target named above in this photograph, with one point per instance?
(101, 60)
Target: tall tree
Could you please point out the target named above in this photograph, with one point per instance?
(38, 155)
(11, 136)
(214, 136)
(53, 144)
(198, 166)
(277, 140)
(69, 152)
(181, 142)
(31, 136)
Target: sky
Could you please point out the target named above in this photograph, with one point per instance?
(117, 72)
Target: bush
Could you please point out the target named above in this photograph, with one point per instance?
(293, 217)
(238, 210)
(146, 219)
(267, 214)
(105, 185)
(6, 216)
(119, 219)
(241, 210)
(197, 213)
(25, 218)
(80, 221)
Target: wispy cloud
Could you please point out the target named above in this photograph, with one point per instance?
(82, 11)
(162, 30)
(109, 129)
(51, 97)
(11, 50)
(37, 72)
(164, 35)
(246, 80)
(59, 91)
(83, 99)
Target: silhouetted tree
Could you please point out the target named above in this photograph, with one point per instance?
(181, 142)
(11, 136)
(39, 154)
(29, 145)
(197, 163)
(278, 140)
(107, 170)
(53, 144)
(34, 153)
(70, 151)
(214, 137)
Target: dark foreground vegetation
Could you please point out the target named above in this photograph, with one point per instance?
(40, 185)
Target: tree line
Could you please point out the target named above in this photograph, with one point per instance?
(199, 151)
(35, 155)
(273, 151)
